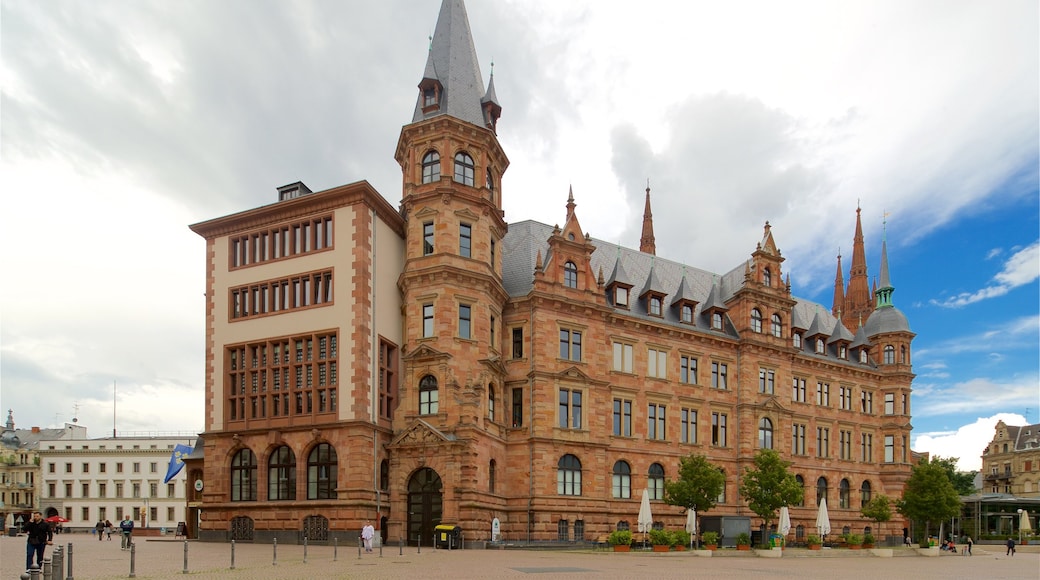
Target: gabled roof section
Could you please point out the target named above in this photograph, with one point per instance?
(571, 227)
(452, 62)
(840, 334)
(714, 301)
(768, 245)
(653, 285)
(619, 276)
(684, 293)
(816, 328)
(421, 433)
(860, 340)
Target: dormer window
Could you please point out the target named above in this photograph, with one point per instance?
(570, 275)
(621, 296)
(464, 169)
(843, 352)
(431, 167)
(716, 320)
(654, 306)
(796, 340)
(686, 314)
(819, 346)
(756, 321)
(767, 277)
(429, 97)
(430, 91)
(863, 356)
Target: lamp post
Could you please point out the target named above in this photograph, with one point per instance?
(1020, 526)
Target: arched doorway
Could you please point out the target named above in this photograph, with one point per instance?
(424, 505)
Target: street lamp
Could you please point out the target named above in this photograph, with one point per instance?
(1020, 510)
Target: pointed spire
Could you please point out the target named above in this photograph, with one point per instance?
(653, 284)
(885, 289)
(714, 301)
(839, 289)
(451, 82)
(646, 241)
(492, 110)
(570, 202)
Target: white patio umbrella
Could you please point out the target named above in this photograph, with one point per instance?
(823, 520)
(1023, 522)
(691, 524)
(646, 519)
(785, 521)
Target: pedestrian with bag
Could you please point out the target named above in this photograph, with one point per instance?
(39, 537)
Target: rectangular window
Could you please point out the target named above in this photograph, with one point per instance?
(464, 321)
(427, 229)
(688, 370)
(68, 468)
(845, 445)
(102, 490)
(622, 418)
(718, 375)
(689, 426)
(657, 362)
(655, 426)
(570, 409)
(387, 379)
(171, 514)
(491, 323)
(622, 357)
(823, 441)
(766, 381)
(518, 343)
(866, 447)
(718, 429)
(845, 394)
(518, 407)
(797, 439)
(86, 468)
(798, 390)
(427, 320)
(465, 240)
(890, 448)
(85, 514)
(866, 402)
(570, 344)
(137, 467)
(119, 468)
(890, 403)
(84, 490)
(906, 406)
(171, 490)
(281, 242)
(823, 394)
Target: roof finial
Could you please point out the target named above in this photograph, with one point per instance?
(492, 67)
(430, 38)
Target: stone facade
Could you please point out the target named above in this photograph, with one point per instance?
(1011, 461)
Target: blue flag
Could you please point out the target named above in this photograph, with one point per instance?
(177, 461)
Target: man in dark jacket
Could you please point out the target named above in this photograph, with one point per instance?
(127, 527)
(39, 537)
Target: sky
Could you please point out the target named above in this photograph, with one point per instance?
(124, 121)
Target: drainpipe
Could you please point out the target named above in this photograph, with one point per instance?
(530, 434)
(373, 383)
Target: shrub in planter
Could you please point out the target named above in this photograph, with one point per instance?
(661, 540)
(855, 541)
(710, 540)
(814, 542)
(680, 538)
(743, 541)
(620, 539)
(868, 540)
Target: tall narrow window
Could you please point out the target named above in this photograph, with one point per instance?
(657, 363)
(823, 441)
(766, 381)
(492, 468)
(655, 481)
(622, 480)
(890, 354)
(778, 326)
(568, 476)
(321, 472)
(797, 439)
(518, 343)
(431, 167)
(718, 429)
(756, 320)
(464, 321)
(622, 418)
(387, 379)
(281, 475)
(570, 409)
(491, 402)
(464, 169)
(821, 490)
(765, 433)
(718, 375)
(428, 395)
(570, 275)
(427, 320)
(655, 422)
(570, 344)
(518, 407)
(844, 495)
(689, 426)
(243, 477)
(622, 357)
(767, 277)
(864, 494)
(465, 240)
(688, 370)
(427, 230)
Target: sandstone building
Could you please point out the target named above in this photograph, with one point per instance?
(435, 363)
(1011, 461)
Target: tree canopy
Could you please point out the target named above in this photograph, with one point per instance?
(699, 485)
(878, 509)
(963, 481)
(768, 486)
(929, 495)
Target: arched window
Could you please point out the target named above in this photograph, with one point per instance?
(622, 480)
(864, 494)
(796, 340)
(765, 433)
(491, 475)
(243, 476)
(464, 169)
(778, 326)
(863, 356)
(431, 167)
(756, 320)
(890, 354)
(570, 275)
(428, 395)
(844, 499)
(384, 475)
(568, 476)
(655, 481)
(819, 346)
(622, 526)
(821, 489)
(491, 402)
(687, 314)
(321, 472)
(801, 482)
(655, 306)
(281, 474)
(767, 277)
(722, 494)
(716, 321)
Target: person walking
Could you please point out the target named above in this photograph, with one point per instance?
(970, 542)
(99, 528)
(108, 530)
(127, 527)
(39, 537)
(366, 534)
(1010, 547)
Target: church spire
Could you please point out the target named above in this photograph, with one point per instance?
(857, 295)
(885, 289)
(646, 241)
(838, 304)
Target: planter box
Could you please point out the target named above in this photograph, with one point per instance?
(679, 548)
(711, 547)
(743, 547)
(622, 548)
(814, 546)
(855, 546)
(661, 548)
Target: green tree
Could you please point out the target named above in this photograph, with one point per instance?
(878, 510)
(768, 486)
(698, 487)
(929, 495)
(963, 481)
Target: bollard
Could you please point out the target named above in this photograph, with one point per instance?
(67, 557)
(400, 546)
(46, 569)
(304, 549)
(359, 548)
(34, 572)
(232, 554)
(274, 544)
(380, 546)
(185, 556)
(57, 566)
(335, 548)
(133, 559)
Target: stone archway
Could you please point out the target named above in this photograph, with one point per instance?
(425, 500)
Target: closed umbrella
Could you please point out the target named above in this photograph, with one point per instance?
(646, 519)
(1023, 522)
(691, 524)
(823, 521)
(784, 527)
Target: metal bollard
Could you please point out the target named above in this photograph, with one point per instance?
(400, 546)
(274, 544)
(185, 557)
(335, 548)
(34, 572)
(133, 559)
(67, 557)
(359, 548)
(46, 569)
(380, 546)
(305, 549)
(232, 554)
(57, 564)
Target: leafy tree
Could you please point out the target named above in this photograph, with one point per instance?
(929, 496)
(878, 510)
(768, 486)
(698, 487)
(963, 481)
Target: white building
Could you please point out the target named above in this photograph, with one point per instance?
(104, 479)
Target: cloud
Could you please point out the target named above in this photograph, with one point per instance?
(1016, 333)
(1022, 268)
(974, 395)
(966, 442)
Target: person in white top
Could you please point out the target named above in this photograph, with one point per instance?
(366, 534)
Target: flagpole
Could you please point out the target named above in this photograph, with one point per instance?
(113, 409)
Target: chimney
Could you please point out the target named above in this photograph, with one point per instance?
(35, 429)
